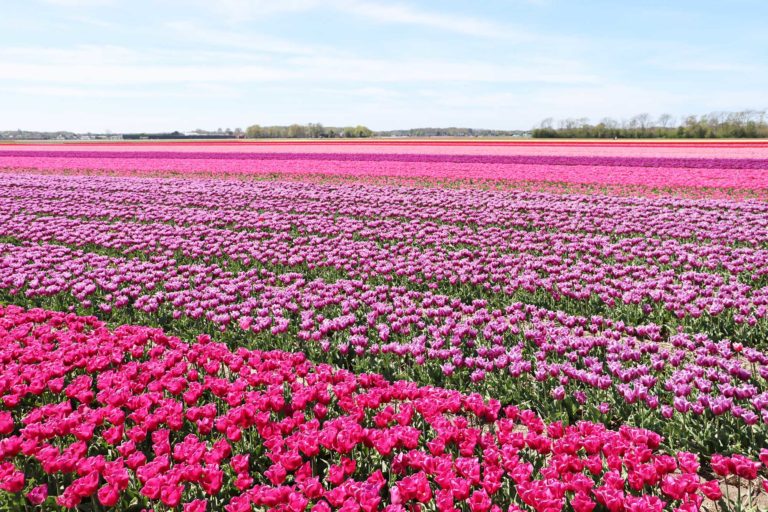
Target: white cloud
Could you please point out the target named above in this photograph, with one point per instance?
(67, 91)
(253, 42)
(115, 66)
(78, 3)
(378, 12)
(454, 100)
(243, 10)
(130, 74)
(95, 22)
(92, 54)
(702, 64)
(74, 92)
(378, 93)
(404, 14)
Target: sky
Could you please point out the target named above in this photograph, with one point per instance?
(142, 65)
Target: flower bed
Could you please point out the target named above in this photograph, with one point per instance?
(136, 417)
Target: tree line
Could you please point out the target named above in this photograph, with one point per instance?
(452, 132)
(717, 125)
(317, 130)
(307, 131)
(35, 135)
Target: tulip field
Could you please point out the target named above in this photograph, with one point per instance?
(384, 325)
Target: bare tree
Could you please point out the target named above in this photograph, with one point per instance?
(547, 124)
(666, 121)
(642, 121)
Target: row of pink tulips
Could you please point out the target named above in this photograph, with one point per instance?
(749, 173)
(389, 240)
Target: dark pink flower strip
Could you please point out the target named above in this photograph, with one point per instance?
(134, 410)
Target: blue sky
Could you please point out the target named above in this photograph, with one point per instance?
(96, 65)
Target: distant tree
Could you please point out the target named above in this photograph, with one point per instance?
(311, 130)
(748, 123)
(643, 121)
(665, 126)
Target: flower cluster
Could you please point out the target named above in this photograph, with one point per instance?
(134, 414)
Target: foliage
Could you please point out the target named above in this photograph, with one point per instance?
(747, 124)
(308, 131)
